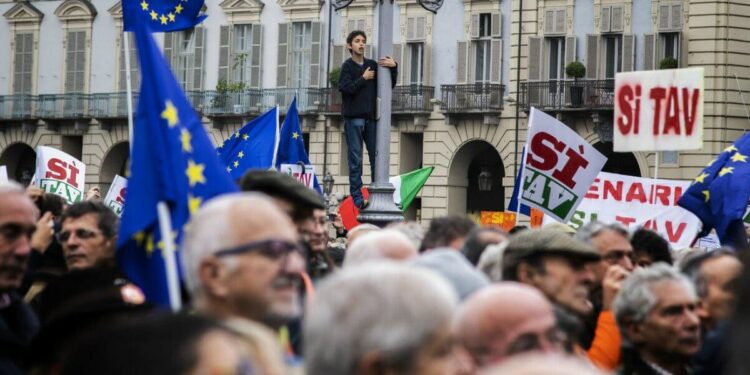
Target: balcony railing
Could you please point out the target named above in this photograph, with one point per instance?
(407, 99)
(472, 98)
(412, 99)
(62, 106)
(110, 105)
(568, 95)
(17, 107)
(332, 100)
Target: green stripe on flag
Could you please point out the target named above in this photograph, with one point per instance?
(408, 186)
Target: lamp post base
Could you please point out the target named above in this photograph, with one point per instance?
(381, 211)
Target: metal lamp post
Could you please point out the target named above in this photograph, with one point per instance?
(382, 210)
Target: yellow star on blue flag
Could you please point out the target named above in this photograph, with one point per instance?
(719, 195)
(172, 161)
(253, 146)
(162, 15)
(292, 145)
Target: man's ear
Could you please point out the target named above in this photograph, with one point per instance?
(634, 332)
(527, 274)
(212, 275)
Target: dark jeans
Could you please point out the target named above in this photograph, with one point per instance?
(358, 130)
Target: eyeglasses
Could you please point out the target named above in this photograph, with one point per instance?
(615, 256)
(12, 231)
(273, 248)
(81, 233)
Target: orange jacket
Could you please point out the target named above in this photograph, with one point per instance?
(605, 349)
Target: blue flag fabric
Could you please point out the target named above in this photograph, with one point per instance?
(162, 15)
(291, 143)
(513, 204)
(172, 160)
(719, 195)
(253, 146)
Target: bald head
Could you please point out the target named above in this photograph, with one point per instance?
(360, 230)
(381, 244)
(231, 220)
(504, 319)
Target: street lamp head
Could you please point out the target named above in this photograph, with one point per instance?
(431, 5)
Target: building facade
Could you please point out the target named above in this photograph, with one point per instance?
(464, 85)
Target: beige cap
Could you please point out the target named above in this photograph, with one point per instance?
(562, 227)
(548, 241)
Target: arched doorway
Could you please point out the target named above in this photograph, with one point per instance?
(466, 193)
(116, 162)
(618, 162)
(20, 159)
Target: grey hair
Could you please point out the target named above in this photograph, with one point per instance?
(383, 307)
(371, 246)
(208, 232)
(11, 187)
(587, 232)
(491, 261)
(636, 298)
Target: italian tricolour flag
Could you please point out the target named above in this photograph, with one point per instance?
(407, 187)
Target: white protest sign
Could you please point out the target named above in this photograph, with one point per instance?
(3, 173)
(560, 166)
(659, 110)
(305, 176)
(639, 202)
(59, 173)
(115, 198)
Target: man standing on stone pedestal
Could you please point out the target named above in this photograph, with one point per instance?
(358, 86)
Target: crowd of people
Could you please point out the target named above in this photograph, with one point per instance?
(273, 285)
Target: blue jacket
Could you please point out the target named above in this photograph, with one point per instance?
(359, 95)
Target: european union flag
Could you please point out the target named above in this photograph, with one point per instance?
(172, 160)
(162, 15)
(291, 144)
(253, 146)
(719, 195)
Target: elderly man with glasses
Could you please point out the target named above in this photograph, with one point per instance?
(242, 264)
(601, 338)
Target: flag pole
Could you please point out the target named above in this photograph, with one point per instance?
(520, 184)
(276, 142)
(523, 164)
(129, 88)
(170, 259)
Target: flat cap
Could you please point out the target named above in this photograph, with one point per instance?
(280, 185)
(547, 241)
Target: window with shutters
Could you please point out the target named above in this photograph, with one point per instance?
(482, 51)
(670, 17)
(555, 58)
(23, 63)
(135, 76)
(301, 48)
(611, 55)
(75, 67)
(242, 53)
(416, 58)
(184, 58)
